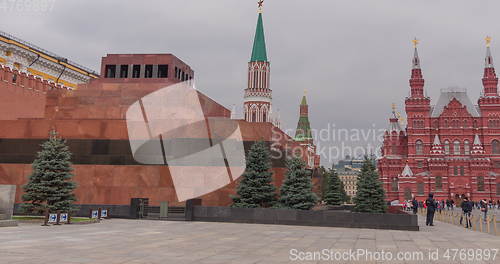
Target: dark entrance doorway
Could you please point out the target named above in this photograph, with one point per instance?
(138, 207)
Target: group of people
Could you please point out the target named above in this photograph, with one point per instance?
(431, 205)
(440, 205)
(467, 206)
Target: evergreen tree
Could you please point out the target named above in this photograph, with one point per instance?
(334, 193)
(256, 188)
(370, 196)
(49, 186)
(324, 181)
(296, 191)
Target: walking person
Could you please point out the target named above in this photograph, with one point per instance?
(484, 208)
(414, 206)
(430, 203)
(466, 212)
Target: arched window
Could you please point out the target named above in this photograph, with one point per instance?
(263, 110)
(254, 116)
(495, 146)
(255, 78)
(408, 194)
(445, 123)
(419, 146)
(480, 183)
(456, 147)
(465, 123)
(466, 147)
(420, 188)
(395, 150)
(447, 147)
(439, 183)
(394, 184)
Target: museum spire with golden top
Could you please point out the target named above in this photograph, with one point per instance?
(490, 79)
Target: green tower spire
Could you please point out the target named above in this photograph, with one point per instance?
(259, 44)
(303, 131)
(304, 101)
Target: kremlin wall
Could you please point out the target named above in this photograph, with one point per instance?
(91, 116)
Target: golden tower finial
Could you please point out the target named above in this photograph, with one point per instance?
(305, 92)
(260, 3)
(415, 42)
(393, 108)
(488, 41)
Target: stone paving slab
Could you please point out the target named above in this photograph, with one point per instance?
(141, 241)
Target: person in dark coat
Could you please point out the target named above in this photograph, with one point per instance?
(466, 210)
(431, 209)
(414, 205)
(483, 204)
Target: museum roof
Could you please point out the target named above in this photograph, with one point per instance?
(448, 95)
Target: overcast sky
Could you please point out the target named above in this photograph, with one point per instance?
(353, 56)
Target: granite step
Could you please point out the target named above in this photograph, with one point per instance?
(3, 217)
(7, 223)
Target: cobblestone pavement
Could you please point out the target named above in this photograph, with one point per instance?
(131, 241)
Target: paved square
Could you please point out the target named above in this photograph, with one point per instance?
(132, 241)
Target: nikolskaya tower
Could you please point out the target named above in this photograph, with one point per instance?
(258, 96)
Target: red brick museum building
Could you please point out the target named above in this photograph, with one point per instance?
(451, 149)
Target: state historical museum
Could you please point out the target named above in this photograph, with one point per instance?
(451, 149)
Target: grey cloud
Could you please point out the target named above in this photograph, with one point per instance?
(353, 56)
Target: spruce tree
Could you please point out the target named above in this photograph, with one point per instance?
(296, 191)
(50, 186)
(256, 188)
(324, 181)
(334, 190)
(370, 196)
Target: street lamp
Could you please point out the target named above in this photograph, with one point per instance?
(492, 177)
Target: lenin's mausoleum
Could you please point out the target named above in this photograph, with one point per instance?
(40, 91)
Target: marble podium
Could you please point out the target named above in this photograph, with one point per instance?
(7, 196)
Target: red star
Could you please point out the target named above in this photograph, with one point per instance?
(261, 2)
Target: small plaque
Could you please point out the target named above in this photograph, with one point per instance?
(95, 213)
(63, 218)
(52, 218)
(104, 213)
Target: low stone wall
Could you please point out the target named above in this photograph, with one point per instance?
(83, 210)
(306, 218)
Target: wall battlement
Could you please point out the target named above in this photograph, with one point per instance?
(23, 95)
(28, 81)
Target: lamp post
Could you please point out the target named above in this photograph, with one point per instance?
(492, 178)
